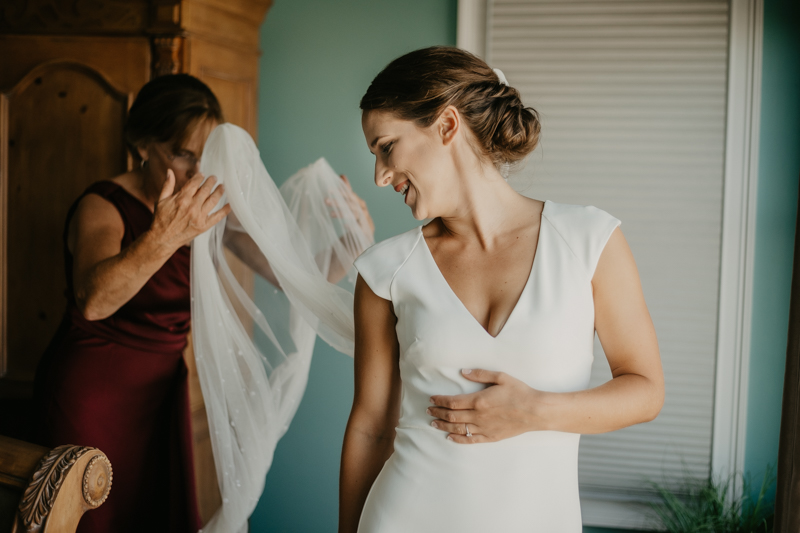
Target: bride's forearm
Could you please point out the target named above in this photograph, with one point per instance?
(626, 400)
(363, 456)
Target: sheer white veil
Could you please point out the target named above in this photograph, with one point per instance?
(253, 354)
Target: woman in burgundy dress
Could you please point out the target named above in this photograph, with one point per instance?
(114, 375)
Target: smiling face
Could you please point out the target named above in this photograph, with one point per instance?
(416, 162)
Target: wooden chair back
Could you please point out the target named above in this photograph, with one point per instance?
(47, 491)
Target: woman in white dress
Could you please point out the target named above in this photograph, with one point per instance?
(474, 333)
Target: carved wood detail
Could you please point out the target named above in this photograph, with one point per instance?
(48, 491)
(166, 17)
(73, 16)
(167, 55)
(97, 480)
(39, 497)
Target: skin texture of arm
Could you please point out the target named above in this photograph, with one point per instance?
(106, 277)
(508, 407)
(369, 437)
(245, 248)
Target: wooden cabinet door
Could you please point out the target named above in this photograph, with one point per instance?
(62, 108)
(63, 131)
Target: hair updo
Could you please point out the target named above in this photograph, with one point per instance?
(167, 109)
(421, 84)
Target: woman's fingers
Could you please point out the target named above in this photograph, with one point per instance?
(204, 190)
(213, 199)
(169, 186)
(190, 187)
(449, 415)
(217, 216)
(352, 204)
(463, 439)
(483, 376)
(459, 401)
(359, 206)
(505, 408)
(462, 433)
(456, 428)
(181, 217)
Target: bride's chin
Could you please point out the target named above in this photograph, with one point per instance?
(419, 214)
(418, 210)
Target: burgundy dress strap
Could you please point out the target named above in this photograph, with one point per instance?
(158, 316)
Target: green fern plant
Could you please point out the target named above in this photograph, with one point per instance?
(704, 506)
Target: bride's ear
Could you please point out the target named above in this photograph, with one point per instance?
(448, 124)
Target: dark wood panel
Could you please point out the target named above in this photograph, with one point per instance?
(71, 16)
(124, 61)
(64, 132)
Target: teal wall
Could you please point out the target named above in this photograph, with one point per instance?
(318, 60)
(778, 169)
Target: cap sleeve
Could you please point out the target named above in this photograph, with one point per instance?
(586, 229)
(379, 264)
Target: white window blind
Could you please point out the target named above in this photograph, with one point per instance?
(632, 97)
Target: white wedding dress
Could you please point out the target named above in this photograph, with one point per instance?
(527, 483)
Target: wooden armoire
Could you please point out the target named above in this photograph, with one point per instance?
(69, 70)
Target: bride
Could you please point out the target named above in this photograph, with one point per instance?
(474, 333)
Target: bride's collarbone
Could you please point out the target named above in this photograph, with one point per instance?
(468, 258)
(488, 283)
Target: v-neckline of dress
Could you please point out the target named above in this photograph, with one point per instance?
(521, 294)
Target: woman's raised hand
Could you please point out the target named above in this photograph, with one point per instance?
(359, 207)
(506, 408)
(182, 216)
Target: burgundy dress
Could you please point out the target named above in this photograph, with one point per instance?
(120, 385)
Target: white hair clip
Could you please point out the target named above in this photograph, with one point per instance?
(500, 75)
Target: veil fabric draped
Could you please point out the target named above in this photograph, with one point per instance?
(253, 354)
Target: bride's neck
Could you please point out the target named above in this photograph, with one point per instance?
(485, 206)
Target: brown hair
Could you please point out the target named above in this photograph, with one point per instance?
(167, 109)
(421, 84)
